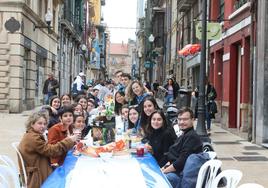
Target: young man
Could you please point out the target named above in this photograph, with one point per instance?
(126, 80)
(118, 80)
(188, 143)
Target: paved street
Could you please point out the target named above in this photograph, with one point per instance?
(230, 148)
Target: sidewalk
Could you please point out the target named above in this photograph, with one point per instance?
(237, 153)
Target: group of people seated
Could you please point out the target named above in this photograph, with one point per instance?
(44, 150)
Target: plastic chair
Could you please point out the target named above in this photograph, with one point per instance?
(232, 178)
(9, 176)
(3, 181)
(250, 185)
(9, 162)
(212, 154)
(207, 173)
(15, 146)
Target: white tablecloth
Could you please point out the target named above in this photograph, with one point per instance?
(115, 172)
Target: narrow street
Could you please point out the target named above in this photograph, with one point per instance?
(233, 151)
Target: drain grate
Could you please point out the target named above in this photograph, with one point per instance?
(250, 153)
(251, 158)
(226, 142)
(253, 148)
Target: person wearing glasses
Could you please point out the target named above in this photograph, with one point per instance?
(188, 143)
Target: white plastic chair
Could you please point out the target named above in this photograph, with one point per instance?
(250, 185)
(232, 178)
(212, 154)
(3, 181)
(207, 173)
(9, 162)
(9, 176)
(15, 146)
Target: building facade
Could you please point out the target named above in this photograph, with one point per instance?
(121, 57)
(230, 67)
(71, 57)
(27, 53)
(98, 38)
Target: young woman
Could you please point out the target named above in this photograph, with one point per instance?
(65, 100)
(148, 106)
(60, 131)
(82, 99)
(36, 151)
(119, 101)
(133, 119)
(78, 109)
(54, 111)
(172, 91)
(137, 92)
(160, 136)
(79, 124)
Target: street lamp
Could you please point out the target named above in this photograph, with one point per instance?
(48, 19)
(201, 126)
(151, 40)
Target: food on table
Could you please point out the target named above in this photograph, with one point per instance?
(95, 151)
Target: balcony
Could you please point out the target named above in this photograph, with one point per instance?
(185, 5)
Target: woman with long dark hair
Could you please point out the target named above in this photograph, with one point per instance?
(120, 100)
(160, 136)
(133, 119)
(172, 91)
(148, 106)
(54, 109)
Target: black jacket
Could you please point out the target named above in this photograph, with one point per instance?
(176, 89)
(185, 145)
(54, 84)
(160, 140)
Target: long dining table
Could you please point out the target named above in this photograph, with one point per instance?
(124, 171)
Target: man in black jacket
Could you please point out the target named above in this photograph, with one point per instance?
(188, 143)
(50, 86)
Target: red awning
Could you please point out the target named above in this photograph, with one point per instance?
(189, 49)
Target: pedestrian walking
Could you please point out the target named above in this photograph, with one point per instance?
(211, 107)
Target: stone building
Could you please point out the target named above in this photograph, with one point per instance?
(27, 53)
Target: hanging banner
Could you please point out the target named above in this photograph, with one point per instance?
(213, 30)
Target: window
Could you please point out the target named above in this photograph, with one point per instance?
(196, 14)
(239, 3)
(40, 11)
(221, 11)
(54, 19)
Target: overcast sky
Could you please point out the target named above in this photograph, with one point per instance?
(120, 13)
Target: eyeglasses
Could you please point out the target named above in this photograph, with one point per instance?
(183, 119)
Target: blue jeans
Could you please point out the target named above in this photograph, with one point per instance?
(169, 99)
(47, 98)
(173, 179)
(208, 119)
